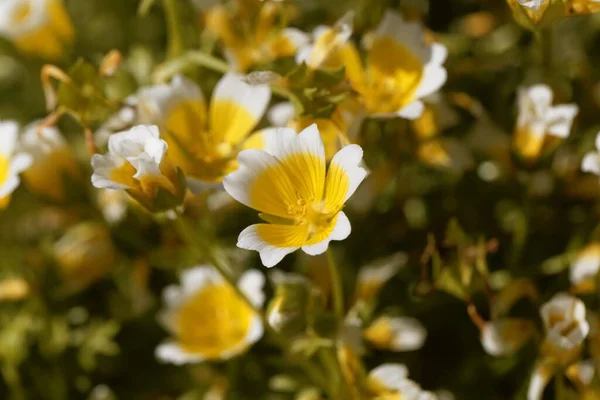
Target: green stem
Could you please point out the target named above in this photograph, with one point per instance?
(191, 58)
(336, 286)
(175, 45)
(201, 249)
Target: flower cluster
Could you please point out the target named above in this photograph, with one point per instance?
(266, 199)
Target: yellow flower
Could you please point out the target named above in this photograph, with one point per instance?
(37, 27)
(251, 37)
(538, 120)
(204, 144)
(11, 162)
(584, 268)
(327, 42)
(54, 165)
(289, 185)
(396, 333)
(207, 317)
(136, 162)
(400, 68)
(84, 254)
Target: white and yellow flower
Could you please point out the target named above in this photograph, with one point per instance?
(390, 381)
(205, 143)
(136, 162)
(327, 41)
(251, 36)
(372, 277)
(565, 323)
(584, 268)
(12, 162)
(53, 162)
(207, 317)
(302, 201)
(396, 333)
(401, 68)
(539, 121)
(37, 27)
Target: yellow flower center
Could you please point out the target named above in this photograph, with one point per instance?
(213, 321)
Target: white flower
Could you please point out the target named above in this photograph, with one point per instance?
(290, 185)
(565, 322)
(538, 118)
(401, 68)
(591, 161)
(396, 333)
(207, 318)
(11, 162)
(39, 27)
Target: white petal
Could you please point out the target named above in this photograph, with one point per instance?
(537, 384)
(195, 279)
(349, 159)
(103, 166)
(591, 163)
(20, 162)
(9, 131)
(586, 265)
(281, 113)
(255, 332)
(412, 110)
(144, 166)
(171, 352)
(390, 376)
(251, 283)
(410, 34)
(296, 36)
(270, 255)
(253, 98)
(409, 334)
(560, 118)
(434, 73)
(341, 231)
(598, 141)
(381, 270)
(251, 163)
(439, 54)
(154, 103)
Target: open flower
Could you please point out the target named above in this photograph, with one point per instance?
(250, 34)
(396, 333)
(204, 144)
(505, 336)
(327, 42)
(401, 68)
(207, 317)
(136, 162)
(289, 185)
(37, 27)
(565, 323)
(53, 163)
(11, 163)
(390, 381)
(538, 121)
(584, 268)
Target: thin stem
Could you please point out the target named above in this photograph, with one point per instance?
(336, 286)
(175, 44)
(191, 58)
